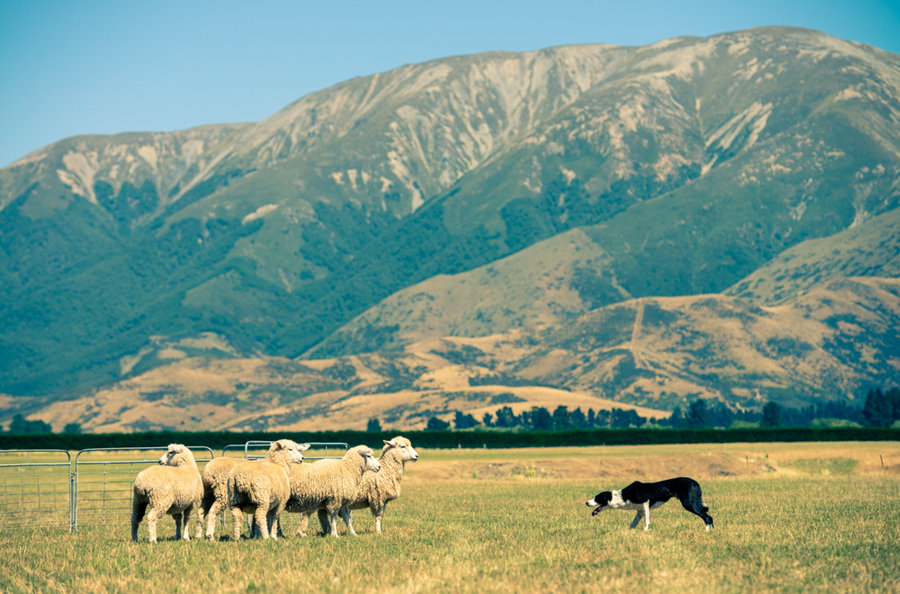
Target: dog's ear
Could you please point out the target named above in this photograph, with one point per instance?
(604, 498)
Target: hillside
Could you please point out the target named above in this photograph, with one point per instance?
(648, 354)
(557, 283)
(503, 194)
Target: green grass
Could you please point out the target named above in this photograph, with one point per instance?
(835, 533)
(823, 466)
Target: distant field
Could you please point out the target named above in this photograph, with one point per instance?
(789, 517)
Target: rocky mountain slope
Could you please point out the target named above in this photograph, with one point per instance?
(646, 354)
(523, 196)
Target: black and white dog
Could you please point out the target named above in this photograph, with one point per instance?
(646, 496)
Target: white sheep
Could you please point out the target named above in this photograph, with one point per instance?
(376, 490)
(329, 485)
(262, 486)
(215, 493)
(173, 487)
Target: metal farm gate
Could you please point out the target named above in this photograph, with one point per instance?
(46, 488)
(317, 449)
(35, 488)
(103, 484)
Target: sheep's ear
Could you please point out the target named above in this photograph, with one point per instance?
(390, 444)
(278, 445)
(303, 447)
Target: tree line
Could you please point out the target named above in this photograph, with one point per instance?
(22, 426)
(881, 409)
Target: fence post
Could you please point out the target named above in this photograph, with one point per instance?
(72, 479)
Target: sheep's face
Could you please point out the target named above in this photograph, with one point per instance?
(293, 449)
(369, 459)
(404, 449)
(175, 455)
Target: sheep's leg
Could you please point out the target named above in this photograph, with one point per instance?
(304, 523)
(177, 518)
(275, 528)
(272, 519)
(137, 514)
(348, 519)
(186, 518)
(332, 521)
(237, 520)
(152, 517)
(253, 526)
(378, 512)
(323, 522)
(212, 515)
(201, 514)
(259, 516)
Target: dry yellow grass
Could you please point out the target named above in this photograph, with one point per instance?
(654, 462)
(525, 528)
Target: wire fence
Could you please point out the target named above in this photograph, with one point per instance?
(35, 488)
(51, 489)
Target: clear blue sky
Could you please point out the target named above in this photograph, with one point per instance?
(72, 67)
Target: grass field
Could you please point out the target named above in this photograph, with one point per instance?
(789, 517)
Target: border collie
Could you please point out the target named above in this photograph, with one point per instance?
(646, 496)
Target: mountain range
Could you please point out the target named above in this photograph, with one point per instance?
(588, 225)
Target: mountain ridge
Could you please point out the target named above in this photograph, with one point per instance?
(574, 178)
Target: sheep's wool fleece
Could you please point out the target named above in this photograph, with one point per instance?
(181, 483)
(327, 481)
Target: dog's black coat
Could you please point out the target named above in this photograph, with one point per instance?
(645, 496)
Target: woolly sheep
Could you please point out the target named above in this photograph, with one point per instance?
(377, 489)
(173, 487)
(262, 486)
(329, 484)
(215, 493)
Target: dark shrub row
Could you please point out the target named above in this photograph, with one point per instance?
(453, 439)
